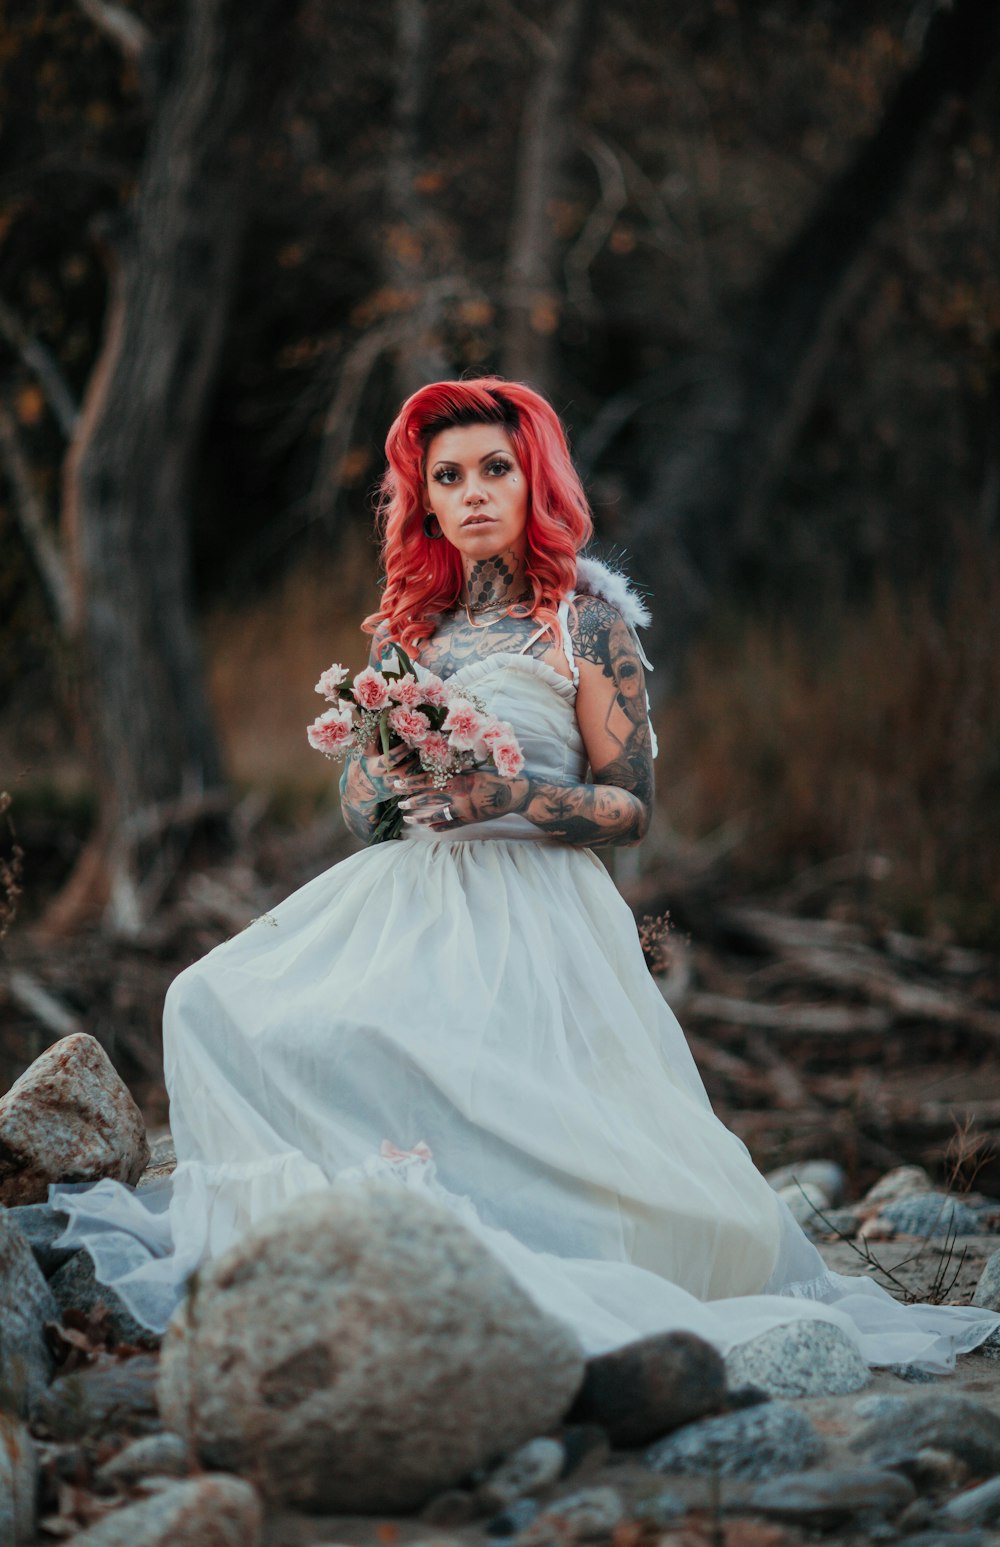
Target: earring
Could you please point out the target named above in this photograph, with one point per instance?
(428, 518)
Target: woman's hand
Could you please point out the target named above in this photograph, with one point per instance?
(475, 796)
(381, 768)
(365, 786)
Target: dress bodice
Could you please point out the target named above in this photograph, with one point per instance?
(539, 702)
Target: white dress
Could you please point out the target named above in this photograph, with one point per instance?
(471, 1015)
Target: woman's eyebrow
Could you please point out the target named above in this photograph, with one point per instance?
(447, 462)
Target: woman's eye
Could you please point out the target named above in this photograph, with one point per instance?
(445, 475)
(499, 467)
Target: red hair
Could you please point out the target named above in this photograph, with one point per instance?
(423, 575)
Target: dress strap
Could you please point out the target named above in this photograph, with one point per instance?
(529, 642)
(567, 642)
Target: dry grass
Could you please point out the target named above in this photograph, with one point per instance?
(882, 737)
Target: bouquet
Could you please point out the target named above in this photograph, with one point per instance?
(448, 730)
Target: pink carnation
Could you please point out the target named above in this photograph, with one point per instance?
(498, 730)
(332, 732)
(330, 681)
(410, 725)
(434, 690)
(464, 724)
(371, 689)
(407, 691)
(435, 750)
(508, 757)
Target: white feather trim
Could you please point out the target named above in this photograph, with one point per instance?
(596, 578)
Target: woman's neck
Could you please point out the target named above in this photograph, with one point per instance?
(497, 581)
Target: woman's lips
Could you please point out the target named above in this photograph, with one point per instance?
(477, 520)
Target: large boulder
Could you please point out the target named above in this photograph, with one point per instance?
(799, 1359)
(207, 1512)
(68, 1118)
(360, 1351)
(18, 1480)
(26, 1303)
(651, 1386)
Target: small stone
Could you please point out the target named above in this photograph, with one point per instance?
(930, 1216)
(825, 1175)
(988, 1289)
(211, 1511)
(978, 1507)
(745, 1396)
(26, 1302)
(451, 1507)
(582, 1442)
(68, 1118)
(805, 1203)
(880, 1404)
(519, 1515)
(580, 1517)
(650, 1387)
(160, 1455)
(839, 1224)
(903, 1182)
(758, 1442)
(659, 1510)
(76, 1287)
(939, 1538)
(825, 1498)
(39, 1223)
(527, 1469)
(18, 1482)
(116, 1398)
(914, 1374)
(933, 1471)
(956, 1424)
(799, 1359)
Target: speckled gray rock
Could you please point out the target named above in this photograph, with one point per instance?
(590, 1514)
(825, 1498)
(903, 1182)
(75, 1286)
(152, 1455)
(757, 1442)
(930, 1215)
(825, 1175)
(659, 1510)
(799, 1359)
(881, 1404)
(26, 1302)
(68, 1118)
(652, 1386)
(530, 1467)
(363, 1350)
(511, 1521)
(117, 1398)
(976, 1507)
(18, 1482)
(807, 1205)
(39, 1223)
(988, 1289)
(211, 1511)
(964, 1428)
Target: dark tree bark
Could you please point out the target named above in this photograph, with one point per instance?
(127, 489)
(715, 468)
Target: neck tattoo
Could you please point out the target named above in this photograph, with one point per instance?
(496, 582)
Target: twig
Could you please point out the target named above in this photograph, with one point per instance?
(32, 519)
(131, 35)
(45, 1007)
(44, 366)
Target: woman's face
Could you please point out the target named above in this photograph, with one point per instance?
(477, 489)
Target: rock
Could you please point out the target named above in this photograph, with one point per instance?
(963, 1428)
(745, 1396)
(363, 1351)
(652, 1386)
(453, 1507)
(950, 1539)
(26, 1302)
(18, 1482)
(932, 1471)
(210, 1511)
(988, 1289)
(583, 1441)
(757, 1442)
(806, 1204)
(117, 1397)
(659, 1510)
(580, 1517)
(903, 1182)
(880, 1404)
(838, 1223)
(825, 1175)
(531, 1467)
(914, 1374)
(931, 1215)
(75, 1286)
(39, 1223)
(159, 1455)
(68, 1118)
(978, 1507)
(512, 1520)
(799, 1359)
(826, 1498)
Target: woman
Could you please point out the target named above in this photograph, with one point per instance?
(468, 1011)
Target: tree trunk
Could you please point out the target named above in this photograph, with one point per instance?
(127, 489)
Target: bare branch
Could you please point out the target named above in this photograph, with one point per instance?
(44, 366)
(32, 520)
(131, 35)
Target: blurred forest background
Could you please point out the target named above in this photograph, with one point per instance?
(750, 253)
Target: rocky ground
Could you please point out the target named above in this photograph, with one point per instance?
(305, 1401)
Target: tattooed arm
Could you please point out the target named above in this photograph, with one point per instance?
(364, 783)
(616, 806)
